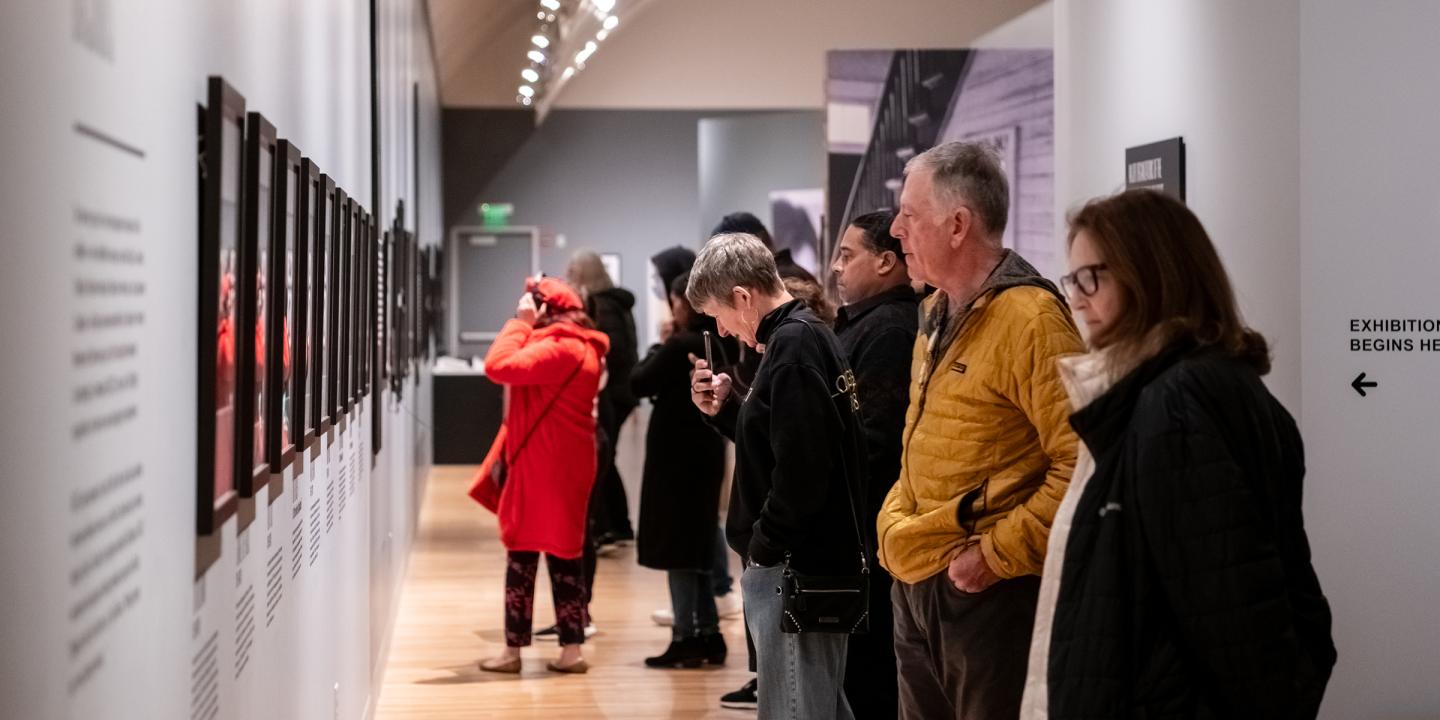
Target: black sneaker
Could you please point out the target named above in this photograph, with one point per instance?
(746, 698)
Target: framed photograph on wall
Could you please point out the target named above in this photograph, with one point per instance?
(417, 274)
(352, 295)
(285, 305)
(304, 416)
(335, 299)
(221, 178)
(377, 397)
(324, 305)
(347, 307)
(256, 282)
(367, 304)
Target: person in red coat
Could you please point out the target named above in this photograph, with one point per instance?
(550, 358)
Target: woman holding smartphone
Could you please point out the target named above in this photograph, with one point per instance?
(680, 492)
(797, 478)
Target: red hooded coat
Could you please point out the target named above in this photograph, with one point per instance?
(543, 504)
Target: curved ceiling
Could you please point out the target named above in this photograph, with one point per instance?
(699, 54)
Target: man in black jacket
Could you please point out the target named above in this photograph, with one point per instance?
(877, 328)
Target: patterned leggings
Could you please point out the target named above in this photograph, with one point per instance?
(567, 584)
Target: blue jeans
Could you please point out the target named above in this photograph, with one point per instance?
(802, 675)
(720, 573)
(693, 603)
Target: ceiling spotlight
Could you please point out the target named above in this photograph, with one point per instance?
(569, 73)
(583, 55)
(604, 6)
(551, 4)
(536, 56)
(550, 18)
(540, 15)
(527, 91)
(611, 22)
(530, 75)
(540, 41)
(602, 35)
(525, 101)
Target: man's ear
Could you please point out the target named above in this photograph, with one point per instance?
(962, 224)
(886, 262)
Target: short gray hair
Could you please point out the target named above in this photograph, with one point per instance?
(968, 173)
(728, 261)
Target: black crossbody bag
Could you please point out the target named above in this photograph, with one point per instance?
(831, 603)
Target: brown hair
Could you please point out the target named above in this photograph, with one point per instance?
(810, 293)
(1175, 288)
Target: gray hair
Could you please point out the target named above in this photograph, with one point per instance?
(590, 273)
(728, 261)
(967, 173)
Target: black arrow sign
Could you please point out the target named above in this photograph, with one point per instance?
(1359, 384)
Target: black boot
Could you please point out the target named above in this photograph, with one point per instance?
(687, 653)
(715, 650)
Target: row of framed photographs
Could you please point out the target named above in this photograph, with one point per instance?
(290, 328)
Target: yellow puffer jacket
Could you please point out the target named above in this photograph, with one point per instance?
(988, 448)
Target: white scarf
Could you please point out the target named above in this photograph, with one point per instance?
(1086, 378)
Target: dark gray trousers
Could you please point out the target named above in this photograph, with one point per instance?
(962, 655)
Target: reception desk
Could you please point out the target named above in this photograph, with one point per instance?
(467, 414)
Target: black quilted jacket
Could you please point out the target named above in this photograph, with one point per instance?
(1187, 589)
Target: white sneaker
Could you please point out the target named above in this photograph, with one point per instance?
(664, 617)
(590, 631)
(729, 605)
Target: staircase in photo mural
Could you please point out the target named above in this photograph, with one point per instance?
(919, 92)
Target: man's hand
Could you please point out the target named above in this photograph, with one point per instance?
(707, 390)
(969, 572)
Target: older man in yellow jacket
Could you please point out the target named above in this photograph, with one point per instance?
(988, 450)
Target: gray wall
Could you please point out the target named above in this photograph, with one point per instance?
(637, 182)
(744, 157)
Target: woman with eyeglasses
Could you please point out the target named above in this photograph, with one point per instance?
(1178, 581)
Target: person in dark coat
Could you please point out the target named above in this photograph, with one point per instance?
(612, 309)
(877, 328)
(680, 492)
(1178, 581)
(796, 497)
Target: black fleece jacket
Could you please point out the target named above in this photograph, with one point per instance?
(798, 469)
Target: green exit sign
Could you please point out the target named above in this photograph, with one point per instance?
(494, 214)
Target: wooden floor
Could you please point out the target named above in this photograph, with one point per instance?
(450, 617)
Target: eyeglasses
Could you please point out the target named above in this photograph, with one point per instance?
(1084, 279)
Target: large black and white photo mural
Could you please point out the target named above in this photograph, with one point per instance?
(885, 107)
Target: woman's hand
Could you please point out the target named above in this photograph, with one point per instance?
(708, 390)
(525, 310)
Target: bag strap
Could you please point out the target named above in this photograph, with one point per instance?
(847, 379)
(535, 425)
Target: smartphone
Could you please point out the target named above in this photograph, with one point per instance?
(709, 359)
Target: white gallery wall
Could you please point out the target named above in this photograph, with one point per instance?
(103, 612)
(1223, 75)
(1370, 250)
(1311, 155)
